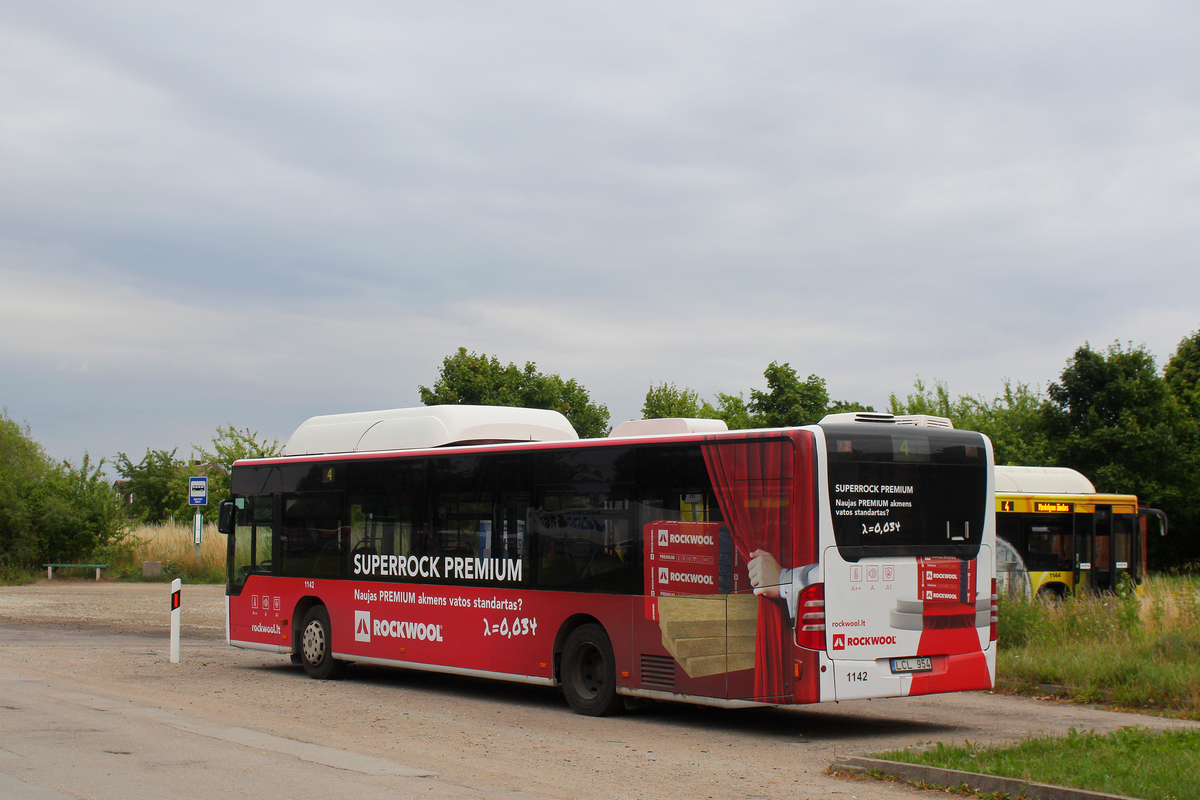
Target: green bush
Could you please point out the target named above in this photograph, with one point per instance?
(51, 511)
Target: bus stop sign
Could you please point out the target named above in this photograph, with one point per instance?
(197, 491)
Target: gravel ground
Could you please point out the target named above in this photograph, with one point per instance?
(129, 607)
(110, 639)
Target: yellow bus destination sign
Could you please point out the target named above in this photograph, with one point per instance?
(1043, 507)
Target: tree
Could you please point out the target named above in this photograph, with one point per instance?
(51, 511)
(1114, 418)
(734, 410)
(933, 402)
(788, 401)
(156, 486)
(23, 467)
(471, 379)
(847, 407)
(1182, 374)
(1111, 417)
(80, 513)
(1013, 420)
(229, 445)
(665, 401)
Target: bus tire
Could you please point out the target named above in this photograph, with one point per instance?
(316, 646)
(589, 674)
(1052, 592)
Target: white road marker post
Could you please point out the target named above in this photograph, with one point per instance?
(175, 599)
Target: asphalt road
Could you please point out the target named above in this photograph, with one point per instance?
(91, 707)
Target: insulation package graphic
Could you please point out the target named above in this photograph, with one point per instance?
(699, 595)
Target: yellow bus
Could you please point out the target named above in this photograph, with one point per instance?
(1055, 534)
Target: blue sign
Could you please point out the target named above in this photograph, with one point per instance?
(197, 491)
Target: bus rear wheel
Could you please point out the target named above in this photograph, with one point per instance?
(589, 675)
(316, 646)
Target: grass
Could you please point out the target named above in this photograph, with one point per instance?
(1133, 651)
(172, 544)
(1131, 761)
(11, 575)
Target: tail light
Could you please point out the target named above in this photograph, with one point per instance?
(810, 627)
(995, 610)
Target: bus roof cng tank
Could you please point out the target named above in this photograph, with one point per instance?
(426, 426)
(1041, 480)
(667, 426)
(878, 418)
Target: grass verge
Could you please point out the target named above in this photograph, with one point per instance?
(1133, 651)
(17, 576)
(172, 544)
(1131, 761)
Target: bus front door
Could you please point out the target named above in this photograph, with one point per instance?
(1123, 551)
(1102, 550)
(1084, 533)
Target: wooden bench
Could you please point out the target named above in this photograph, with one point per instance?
(51, 567)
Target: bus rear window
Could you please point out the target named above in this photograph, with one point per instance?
(906, 491)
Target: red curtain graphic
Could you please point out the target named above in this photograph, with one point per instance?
(752, 481)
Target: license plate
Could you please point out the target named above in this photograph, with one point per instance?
(917, 664)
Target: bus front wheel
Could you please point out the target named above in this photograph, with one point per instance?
(589, 676)
(316, 646)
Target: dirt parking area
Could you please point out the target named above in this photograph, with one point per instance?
(127, 607)
(488, 739)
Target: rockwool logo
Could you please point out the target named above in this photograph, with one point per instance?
(662, 538)
(691, 538)
(841, 641)
(362, 626)
(691, 577)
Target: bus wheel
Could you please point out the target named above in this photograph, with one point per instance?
(1052, 592)
(589, 675)
(316, 643)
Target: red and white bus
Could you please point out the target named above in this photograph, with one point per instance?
(672, 560)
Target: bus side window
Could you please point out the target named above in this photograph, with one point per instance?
(585, 541)
(382, 528)
(311, 536)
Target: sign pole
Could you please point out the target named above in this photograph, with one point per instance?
(175, 600)
(197, 534)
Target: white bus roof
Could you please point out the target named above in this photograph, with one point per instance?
(666, 426)
(427, 426)
(1041, 480)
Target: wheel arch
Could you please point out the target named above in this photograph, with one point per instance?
(570, 624)
(1056, 590)
(301, 608)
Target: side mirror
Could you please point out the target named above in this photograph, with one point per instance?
(226, 517)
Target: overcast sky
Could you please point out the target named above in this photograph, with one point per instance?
(252, 213)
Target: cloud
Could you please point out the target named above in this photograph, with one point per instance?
(255, 213)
